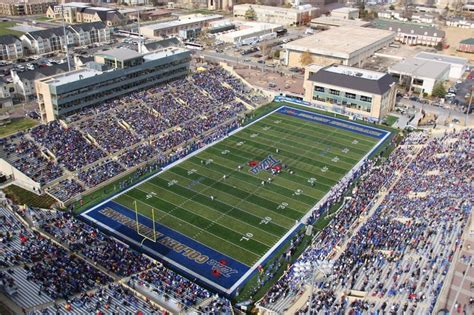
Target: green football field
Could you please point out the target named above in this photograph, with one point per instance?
(209, 199)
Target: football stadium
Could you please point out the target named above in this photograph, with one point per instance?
(187, 190)
(223, 211)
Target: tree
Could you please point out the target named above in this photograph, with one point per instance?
(439, 90)
(392, 7)
(306, 58)
(276, 54)
(250, 14)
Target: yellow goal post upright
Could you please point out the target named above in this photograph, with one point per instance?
(146, 234)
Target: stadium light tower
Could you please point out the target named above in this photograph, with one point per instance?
(65, 39)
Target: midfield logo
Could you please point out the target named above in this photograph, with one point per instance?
(266, 164)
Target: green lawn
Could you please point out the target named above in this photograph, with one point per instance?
(22, 196)
(244, 219)
(390, 120)
(4, 29)
(16, 125)
(43, 18)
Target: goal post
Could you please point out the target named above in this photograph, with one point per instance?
(143, 230)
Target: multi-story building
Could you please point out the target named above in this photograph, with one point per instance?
(24, 82)
(355, 91)
(412, 33)
(114, 73)
(279, 15)
(10, 47)
(24, 7)
(48, 40)
(70, 10)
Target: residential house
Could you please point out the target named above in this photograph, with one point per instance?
(24, 82)
(10, 47)
(45, 41)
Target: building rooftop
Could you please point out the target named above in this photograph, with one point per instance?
(182, 21)
(420, 68)
(442, 58)
(119, 54)
(408, 28)
(32, 75)
(72, 76)
(468, 41)
(345, 10)
(8, 39)
(340, 41)
(163, 53)
(336, 21)
(353, 78)
(301, 8)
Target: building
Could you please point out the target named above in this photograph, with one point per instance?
(6, 92)
(24, 7)
(326, 22)
(78, 12)
(467, 45)
(345, 13)
(185, 27)
(286, 16)
(11, 47)
(250, 32)
(457, 65)
(24, 82)
(49, 40)
(341, 45)
(412, 33)
(89, 33)
(460, 22)
(419, 75)
(423, 18)
(392, 15)
(70, 10)
(364, 93)
(114, 73)
(224, 5)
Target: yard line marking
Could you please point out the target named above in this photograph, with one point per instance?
(223, 192)
(227, 241)
(267, 189)
(309, 139)
(298, 170)
(219, 212)
(188, 210)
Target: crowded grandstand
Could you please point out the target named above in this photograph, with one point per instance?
(382, 240)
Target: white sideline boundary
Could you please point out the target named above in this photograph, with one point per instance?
(277, 244)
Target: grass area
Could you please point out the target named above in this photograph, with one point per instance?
(22, 196)
(43, 18)
(17, 124)
(210, 200)
(390, 120)
(4, 29)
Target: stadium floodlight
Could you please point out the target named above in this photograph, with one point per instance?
(147, 233)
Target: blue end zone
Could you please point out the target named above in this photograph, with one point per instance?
(196, 261)
(334, 122)
(182, 252)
